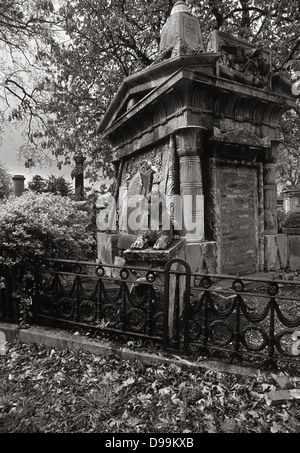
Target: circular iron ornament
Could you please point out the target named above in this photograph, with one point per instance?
(87, 311)
(100, 271)
(124, 274)
(260, 344)
(151, 277)
(66, 307)
(158, 324)
(77, 269)
(287, 346)
(238, 286)
(45, 304)
(136, 320)
(218, 327)
(111, 315)
(273, 289)
(205, 282)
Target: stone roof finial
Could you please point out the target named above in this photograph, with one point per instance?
(181, 34)
(180, 7)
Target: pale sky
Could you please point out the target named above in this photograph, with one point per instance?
(11, 139)
(16, 165)
(9, 156)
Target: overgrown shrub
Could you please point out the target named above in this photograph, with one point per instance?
(56, 185)
(6, 186)
(35, 226)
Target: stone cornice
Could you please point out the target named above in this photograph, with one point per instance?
(203, 66)
(190, 97)
(151, 78)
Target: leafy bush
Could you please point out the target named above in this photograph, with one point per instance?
(6, 187)
(54, 184)
(35, 226)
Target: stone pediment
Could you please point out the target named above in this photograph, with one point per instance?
(137, 89)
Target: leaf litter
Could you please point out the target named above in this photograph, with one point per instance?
(49, 390)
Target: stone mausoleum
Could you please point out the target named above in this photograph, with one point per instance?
(200, 121)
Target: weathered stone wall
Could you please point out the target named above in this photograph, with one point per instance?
(202, 257)
(293, 252)
(237, 215)
(239, 219)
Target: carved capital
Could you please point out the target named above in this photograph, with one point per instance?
(189, 141)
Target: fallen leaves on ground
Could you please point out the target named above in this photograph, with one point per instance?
(49, 390)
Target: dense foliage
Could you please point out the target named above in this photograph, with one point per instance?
(57, 185)
(35, 226)
(5, 182)
(81, 51)
(288, 163)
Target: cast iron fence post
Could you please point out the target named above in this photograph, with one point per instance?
(270, 364)
(149, 314)
(186, 303)
(236, 332)
(99, 301)
(123, 306)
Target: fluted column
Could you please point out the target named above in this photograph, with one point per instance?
(191, 190)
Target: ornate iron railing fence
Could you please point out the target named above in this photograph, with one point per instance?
(238, 318)
(194, 314)
(121, 302)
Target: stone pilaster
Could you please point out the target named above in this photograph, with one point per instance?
(191, 190)
(270, 190)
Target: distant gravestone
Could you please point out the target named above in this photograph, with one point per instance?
(18, 185)
(2, 343)
(291, 197)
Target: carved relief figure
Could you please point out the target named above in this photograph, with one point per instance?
(149, 180)
(247, 66)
